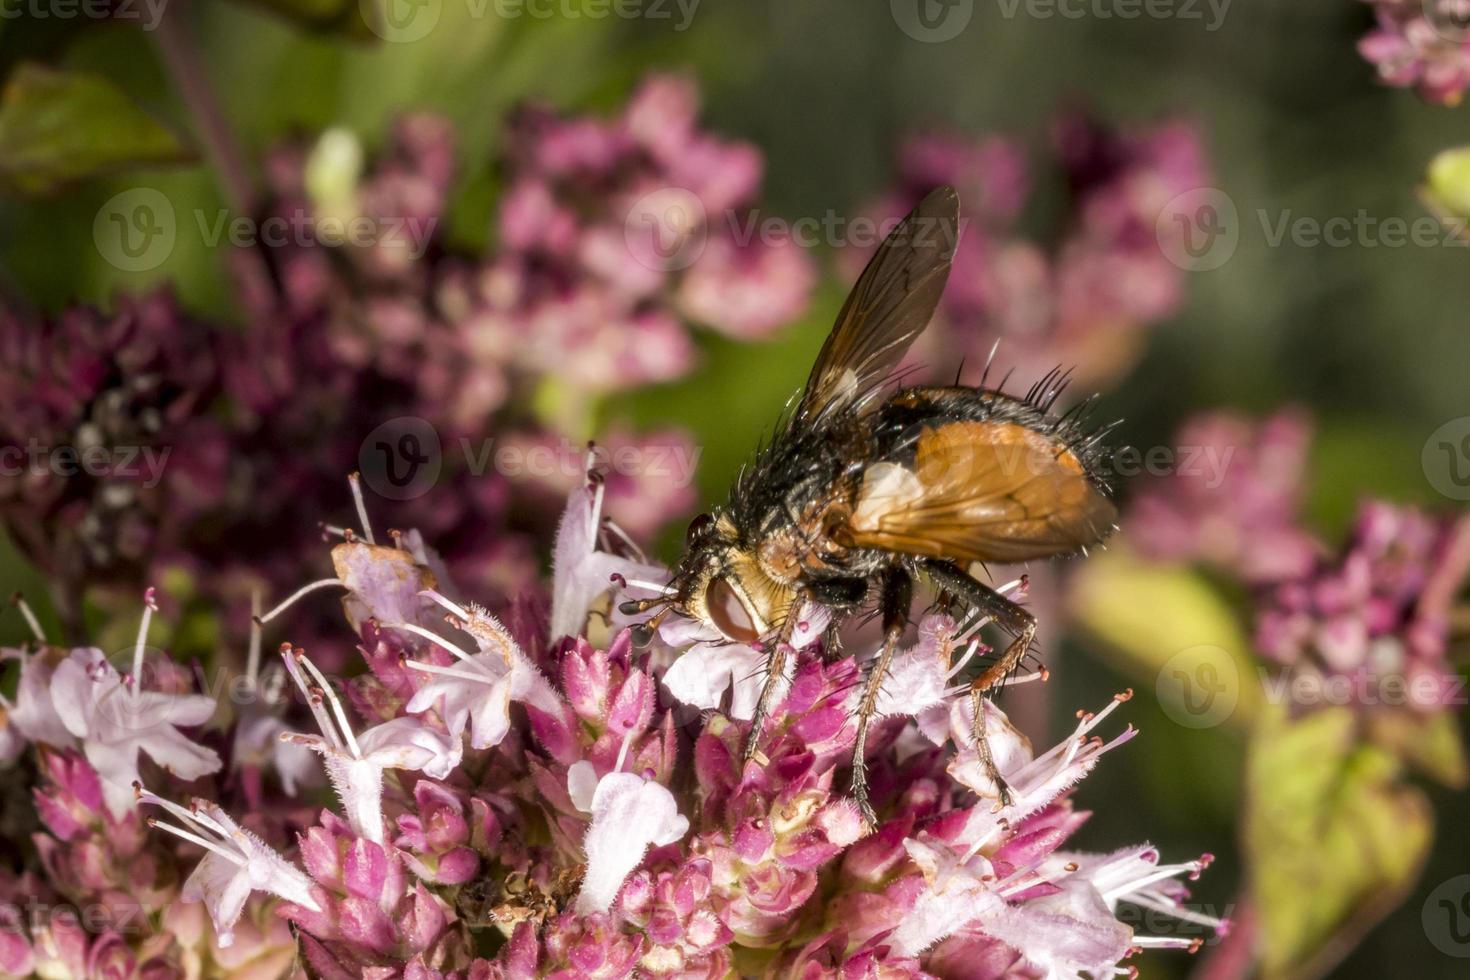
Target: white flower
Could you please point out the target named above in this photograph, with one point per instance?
(709, 665)
(629, 814)
(258, 743)
(236, 864)
(33, 714)
(355, 764)
(955, 894)
(580, 572)
(115, 721)
(479, 693)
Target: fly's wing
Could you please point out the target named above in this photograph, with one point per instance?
(888, 307)
(981, 491)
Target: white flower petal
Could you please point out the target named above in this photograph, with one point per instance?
(629, 813)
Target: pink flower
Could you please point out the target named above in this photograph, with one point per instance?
(1422, 44)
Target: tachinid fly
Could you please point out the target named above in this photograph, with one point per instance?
(868, 486)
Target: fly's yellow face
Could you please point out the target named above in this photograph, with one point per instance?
(730, 590)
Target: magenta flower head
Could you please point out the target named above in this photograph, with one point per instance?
(1423, 45)
(1230, 498)
(515, 799)
(1377, 613)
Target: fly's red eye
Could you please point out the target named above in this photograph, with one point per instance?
(727, 613)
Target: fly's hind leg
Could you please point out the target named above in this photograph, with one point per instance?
(1011, 617)
(896, 593)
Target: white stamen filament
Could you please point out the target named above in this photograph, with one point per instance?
(481, 676)
(362, 517)
(464, 614)
(228, 855)
(32, 622)
(439, 641)
(318, 710)
(252, 658)
(337, 708)
(623, 750)
(305, 590)
(635, 583)
(970, 652)
(1183, 913)
(1160, 873)
(141, 644)
(627, 539)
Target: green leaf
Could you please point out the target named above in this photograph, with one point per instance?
(1334, 838)
(1168, 627)
(58, 126)
(1432, 744)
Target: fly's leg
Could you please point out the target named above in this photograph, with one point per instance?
(1011, 617)
(896, 593)
(775, 671)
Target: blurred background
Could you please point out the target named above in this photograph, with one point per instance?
(1264, 118)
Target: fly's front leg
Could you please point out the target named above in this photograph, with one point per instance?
(775, 671)
(1015, 620)
(896, 594)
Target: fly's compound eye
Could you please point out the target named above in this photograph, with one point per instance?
(728, 613)
(698, 528)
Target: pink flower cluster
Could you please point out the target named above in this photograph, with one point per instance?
(362, 314)
(1422, 44)
(1377, 607)
(1084, 296)
(518, 799)
(1380, 607)
(1231, 498)
(613, 233)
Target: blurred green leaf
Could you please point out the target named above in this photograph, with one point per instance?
(1431, 744)
(1334, 838)
(58, 126)
(1168, 627)
(345, 17)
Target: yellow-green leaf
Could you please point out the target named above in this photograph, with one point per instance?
(1168, 627)
(1333, 836)
(59, 126)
